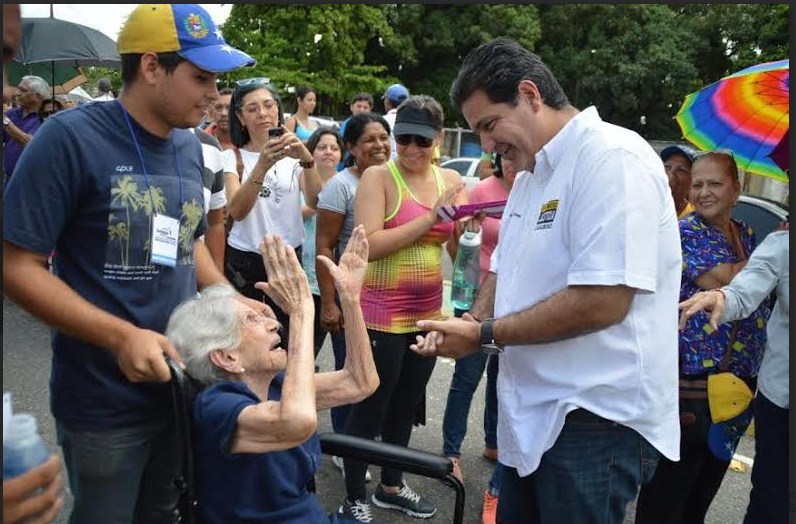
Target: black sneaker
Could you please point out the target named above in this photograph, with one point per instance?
(405, 500)
(358, 510)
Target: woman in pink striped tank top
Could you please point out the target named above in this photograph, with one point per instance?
(397, 203)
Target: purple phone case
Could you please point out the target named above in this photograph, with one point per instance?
(451, 213)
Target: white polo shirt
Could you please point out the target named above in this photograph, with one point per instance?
(597, 210)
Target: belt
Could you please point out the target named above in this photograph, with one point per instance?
(693, 389)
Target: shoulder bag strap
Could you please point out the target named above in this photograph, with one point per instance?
(724, 365)
(239, 162)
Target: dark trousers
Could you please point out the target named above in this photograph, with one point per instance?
(244, 269)
(391, 410)
(681, 492)
(339, 414)
(768, 500)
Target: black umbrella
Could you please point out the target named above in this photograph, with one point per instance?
(50, 41)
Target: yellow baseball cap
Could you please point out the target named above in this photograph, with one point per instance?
(728, 396)
(186, 29)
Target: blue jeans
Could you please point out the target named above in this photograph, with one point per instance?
(122, 475)
(589, 476)
(768, 500)
(466, 376)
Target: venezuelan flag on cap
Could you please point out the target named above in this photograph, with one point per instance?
(186, 29)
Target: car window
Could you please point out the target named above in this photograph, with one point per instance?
(459, 165)
(762, 220)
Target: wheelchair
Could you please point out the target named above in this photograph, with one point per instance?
(382, 454)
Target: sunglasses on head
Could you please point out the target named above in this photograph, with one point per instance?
(253, 81)
(420, 141)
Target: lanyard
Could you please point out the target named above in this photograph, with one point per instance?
(143, 165)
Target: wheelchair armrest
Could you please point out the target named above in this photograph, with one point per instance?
(387, 455)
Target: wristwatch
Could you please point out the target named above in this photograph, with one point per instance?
(488, 344)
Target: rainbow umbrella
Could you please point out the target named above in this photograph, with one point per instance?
(746, 113)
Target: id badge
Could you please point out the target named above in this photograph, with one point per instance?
(164, 241)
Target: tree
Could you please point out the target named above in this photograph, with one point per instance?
(320, 45)
(630, 61)
(429, 42)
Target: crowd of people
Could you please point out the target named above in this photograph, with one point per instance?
(203, 225)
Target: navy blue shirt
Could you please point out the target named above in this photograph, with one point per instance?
(79, 188)
(248, 488)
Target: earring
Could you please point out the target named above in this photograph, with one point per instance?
(242, 371)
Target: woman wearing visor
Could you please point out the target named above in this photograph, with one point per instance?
(397, 202)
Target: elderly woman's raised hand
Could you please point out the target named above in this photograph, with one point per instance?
(287, 283)
(349, 273)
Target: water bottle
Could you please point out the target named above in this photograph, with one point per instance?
(466, 271)
(23, 447)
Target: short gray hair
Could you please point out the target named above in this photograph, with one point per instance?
(37, 85)
(202, 324)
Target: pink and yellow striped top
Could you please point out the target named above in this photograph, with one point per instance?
(406, 286)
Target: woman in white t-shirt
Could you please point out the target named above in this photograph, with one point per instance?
(264, 197)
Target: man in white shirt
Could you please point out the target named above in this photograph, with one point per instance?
(583, 288)
(392, 97)
(105, 93)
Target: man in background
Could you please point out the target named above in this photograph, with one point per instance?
(219, 118)
(105, 92)
(392, 98)
(361, 103)
(21, 123)
(677, 163)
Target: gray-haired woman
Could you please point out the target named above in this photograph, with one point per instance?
(255, 421)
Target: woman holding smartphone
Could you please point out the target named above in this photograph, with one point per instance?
(263, 197)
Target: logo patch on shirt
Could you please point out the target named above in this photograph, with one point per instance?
(547, 215)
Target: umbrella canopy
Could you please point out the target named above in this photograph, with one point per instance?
(781, 153)
(746, 113)
(53, 40)
(66, 78)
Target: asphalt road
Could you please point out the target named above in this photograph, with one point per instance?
(26, 368)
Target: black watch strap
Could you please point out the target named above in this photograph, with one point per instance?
(487, 331)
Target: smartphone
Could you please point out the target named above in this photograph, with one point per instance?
(275, 132)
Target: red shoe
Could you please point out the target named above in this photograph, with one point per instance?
(489, 515)
(491, 454)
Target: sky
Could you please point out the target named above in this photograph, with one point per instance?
(107, 18)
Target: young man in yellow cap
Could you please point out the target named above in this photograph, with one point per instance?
(116, 190)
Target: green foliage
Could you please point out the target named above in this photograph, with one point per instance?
(628, 60)
(430, 42)
(318, 45)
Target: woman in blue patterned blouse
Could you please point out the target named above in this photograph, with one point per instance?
(715, 248)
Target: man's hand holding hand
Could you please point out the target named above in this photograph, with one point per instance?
(454, 337)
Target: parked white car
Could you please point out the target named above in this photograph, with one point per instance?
(467, 167)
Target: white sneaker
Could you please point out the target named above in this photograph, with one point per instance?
(338, 461)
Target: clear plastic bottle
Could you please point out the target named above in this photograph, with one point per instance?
(466, 270)
(23, 447)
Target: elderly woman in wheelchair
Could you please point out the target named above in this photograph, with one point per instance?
(254, 421)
